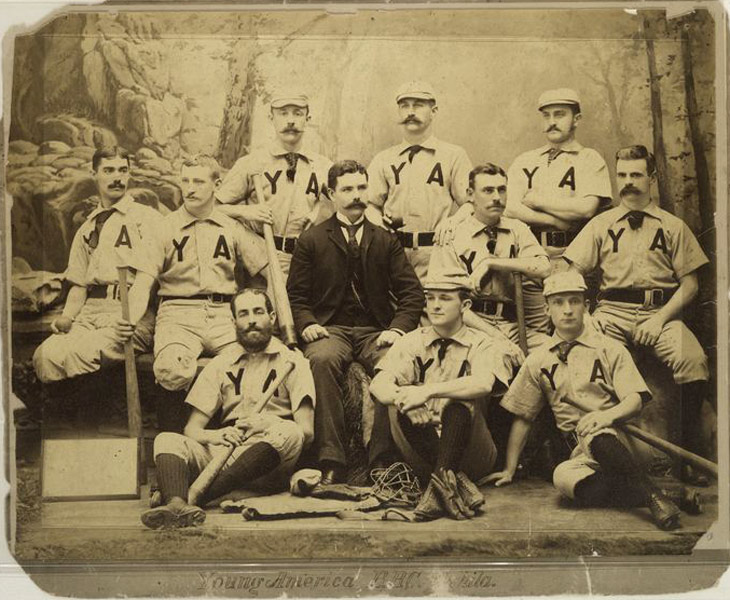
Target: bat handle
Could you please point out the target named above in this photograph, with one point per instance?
(134, 410)
(520, 309)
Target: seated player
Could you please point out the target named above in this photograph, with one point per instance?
(581, 367)
(433, 381)
(268, 444)
(489, 248)
(193, 258)
(648, 260)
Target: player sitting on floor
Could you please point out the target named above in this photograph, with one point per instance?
(268, 444)
(581, 367)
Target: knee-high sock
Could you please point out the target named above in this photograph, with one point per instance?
(455, 430)
(691, 397)
(172, 412)
(258, 460)
(172, 475)
(594, 490)
(630, 486)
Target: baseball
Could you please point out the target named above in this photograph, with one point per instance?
(63, 324)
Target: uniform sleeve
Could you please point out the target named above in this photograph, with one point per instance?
(527, 243)
(78, 258)
(205, 395)
(399, 361)
(595, 179)
(300, 383)
(687, 254)
(524, 397)
(251, 249)
(583, 251)
(377, 184)
(460, 177)
(235, 186)
(625, 375)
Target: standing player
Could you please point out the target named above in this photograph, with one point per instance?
(648, 260)
(294, 179)
(193, 258)
(434, 380)
(416, 185)
(489, 248)
(118, 232)
(582, 365)
(268, 444)
(556, 188)
(353, 293)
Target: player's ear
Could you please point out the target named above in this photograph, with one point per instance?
(465, 305)
(469, 191)
(577, 117)
(434, 109)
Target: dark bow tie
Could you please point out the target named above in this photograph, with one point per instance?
(443, 344)
(101, 219)
(491, 232)
(636, 218)
(564, 349)
(412, 151)
(292, 158)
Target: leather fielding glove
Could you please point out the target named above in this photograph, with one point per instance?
(429, 507)
(447, 491)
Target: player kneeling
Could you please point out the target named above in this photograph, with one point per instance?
(579, 366)
(434, 381)
(267, 443)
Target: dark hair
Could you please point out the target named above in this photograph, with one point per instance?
(108, 152)
(256, 292)
(485, 169)
(343, 167)
(204, 160)
(638, 152)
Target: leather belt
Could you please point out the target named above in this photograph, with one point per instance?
(103, 291)
(484, 306)
(646, 297)
(285, 244)
(216, 298)
(416, 239)
(556, 239)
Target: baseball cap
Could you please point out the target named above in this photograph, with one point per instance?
(566, 281)
(559, 96)
(447, 280)
(420, 90)
(283, 98)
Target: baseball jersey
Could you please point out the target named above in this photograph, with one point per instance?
(656, 255)
(413, 359)
(192, 255)
(236, 380)
(125, 240)
(599, 372)
(308, 203)
(421, 192)
(471, 246)
(575, 173)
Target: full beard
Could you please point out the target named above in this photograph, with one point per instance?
(254, 340)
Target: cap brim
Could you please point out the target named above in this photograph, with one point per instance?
(569, 291)
(558, 103)
(288, 102)
(444, 287)
(415, 96)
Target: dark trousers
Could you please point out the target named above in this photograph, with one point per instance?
(329, 359)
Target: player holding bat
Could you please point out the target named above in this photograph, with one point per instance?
(267, 443)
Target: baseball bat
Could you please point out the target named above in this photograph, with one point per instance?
(672, 450)
(520, 307)
(134, 410)
(276, 277)
(213, 468)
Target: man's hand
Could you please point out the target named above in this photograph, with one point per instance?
(387, 338)
(61, 324)
(256, 213)
(514, 354)
(649, 331)
(499, 478)
(255, 423)
(314, 332)
(227, 436)
(419, 416)
(593, 421)
(444, 232)
(408, 397)
(123, 329)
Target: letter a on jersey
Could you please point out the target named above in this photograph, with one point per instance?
(313, 185)
(437, 175)
(660, 242)
(221, 248)
(597, 372)
(568, 179)
(123, 239)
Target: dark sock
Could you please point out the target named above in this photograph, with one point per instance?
(629, 484)
(500, 423)
(172, 412)
(691, 397)
(172, 476)
(258, 460)
(455, 430)
(594, 490)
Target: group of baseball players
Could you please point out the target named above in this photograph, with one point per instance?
(410, 268)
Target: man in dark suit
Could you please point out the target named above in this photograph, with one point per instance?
(345, 275)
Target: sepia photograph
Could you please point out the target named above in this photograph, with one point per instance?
(335, 300)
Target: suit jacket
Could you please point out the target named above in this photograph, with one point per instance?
(318, 277)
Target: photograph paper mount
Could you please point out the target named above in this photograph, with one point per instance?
(179, 80)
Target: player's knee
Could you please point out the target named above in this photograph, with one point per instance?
(175, 368)
(564, 479)
(169, 443)
(286, 438)
(46, 364)
(323, 355)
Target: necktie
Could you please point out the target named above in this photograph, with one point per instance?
(636, 218)
(553, 153)
(352, 237)
(412, 151)
(291, 161)
(564, 349)
(491, 232)
(443, 344)
(101, 219)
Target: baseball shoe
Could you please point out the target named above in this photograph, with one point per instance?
(156, 498)
(429, 507)
(175, 514)
(469, 492)
(688, 499)
(333, 473)
(664, 512)
(694, 477)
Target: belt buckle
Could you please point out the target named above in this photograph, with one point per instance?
(559, 239)
(656, 297)
(498, 309)
(216, 298)
(414, 245)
